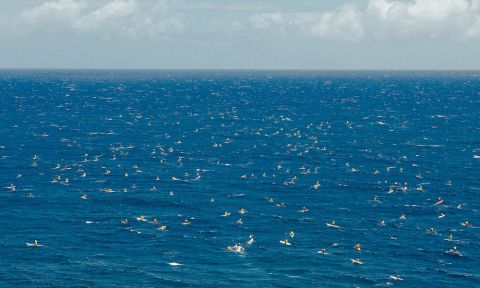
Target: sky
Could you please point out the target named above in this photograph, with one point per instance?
(240, 34)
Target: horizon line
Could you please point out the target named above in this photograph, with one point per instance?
(249, 69)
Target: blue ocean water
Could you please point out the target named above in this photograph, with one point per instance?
(93, 163)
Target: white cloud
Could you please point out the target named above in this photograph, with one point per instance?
(423, 18)
(382, 20)
(112, 18)
(377, 20)
(345, 24)
(110, 12)
(67, 10)
(224, 6)
(474, 30)
(265, 20)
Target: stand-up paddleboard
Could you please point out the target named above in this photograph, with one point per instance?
(285, 242)
(236, 248)
(333, 225)
(357, 261)
(34, 244)
(454, 252)
(323, 252)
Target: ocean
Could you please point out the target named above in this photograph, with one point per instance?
(229, 178)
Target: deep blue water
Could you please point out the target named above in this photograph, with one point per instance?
(221, 141)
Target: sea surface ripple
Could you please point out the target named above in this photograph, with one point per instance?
(192, 178)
